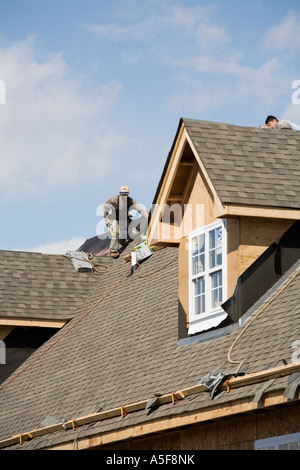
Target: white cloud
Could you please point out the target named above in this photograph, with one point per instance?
(198, 96)
(180, 23)
(52, 127)
(231, 83)
(195, 23)
(211, 70)
(114, 32)
(58, 247)
(129, 58)
(285, 36)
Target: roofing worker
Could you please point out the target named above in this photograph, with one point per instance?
(273, 123)
(117, 218)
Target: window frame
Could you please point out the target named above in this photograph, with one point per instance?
(274, 443)
(211, 317)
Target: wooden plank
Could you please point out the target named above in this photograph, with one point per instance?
(175, 197)
(209, 414)
(235, 382)
(4, 321)
(253, 211)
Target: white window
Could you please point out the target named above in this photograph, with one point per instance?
(207, 276)
(286, 442)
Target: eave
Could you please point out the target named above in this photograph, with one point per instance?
(171, 423)
(30, 322)
(231, 407)
(228, 210)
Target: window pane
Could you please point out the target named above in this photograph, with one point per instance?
(216, 289)
(199, 305)
(290, 446)
(267, 448)
(198, 245)
(198, 264)
(195, 246)
(199, 286)
(199, 296)
(198, 258)
(212, 239)
(219, 256)
(215, 248)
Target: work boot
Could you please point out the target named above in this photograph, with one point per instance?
(114, 254)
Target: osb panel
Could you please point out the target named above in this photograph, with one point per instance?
(284, 421)
(233, 241)
(200, 194)
(236, 433)
(256, 235)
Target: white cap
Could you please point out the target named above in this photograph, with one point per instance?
(124, 190)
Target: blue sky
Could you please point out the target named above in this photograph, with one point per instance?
(94, 91)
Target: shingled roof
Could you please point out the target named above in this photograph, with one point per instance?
(122, 348)
(246, 165)
(41, 286)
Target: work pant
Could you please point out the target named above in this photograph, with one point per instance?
(126, 232)
(114, 242)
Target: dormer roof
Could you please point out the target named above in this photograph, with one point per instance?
(248, 170)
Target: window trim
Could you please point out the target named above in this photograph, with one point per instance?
(215, 316)
(276, 441)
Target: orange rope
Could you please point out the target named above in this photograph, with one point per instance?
(157, 270)
(84, 316)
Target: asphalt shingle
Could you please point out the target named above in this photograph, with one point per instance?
(126, 349)
(258, 156)
(35, 285)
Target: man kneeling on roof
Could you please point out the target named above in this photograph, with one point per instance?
(273, 123)
(118, 220)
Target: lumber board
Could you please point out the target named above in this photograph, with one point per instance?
(254, 211)
(234, 382)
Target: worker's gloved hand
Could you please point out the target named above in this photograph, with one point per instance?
(108, 223)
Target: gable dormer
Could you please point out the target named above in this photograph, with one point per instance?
(226, 194)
